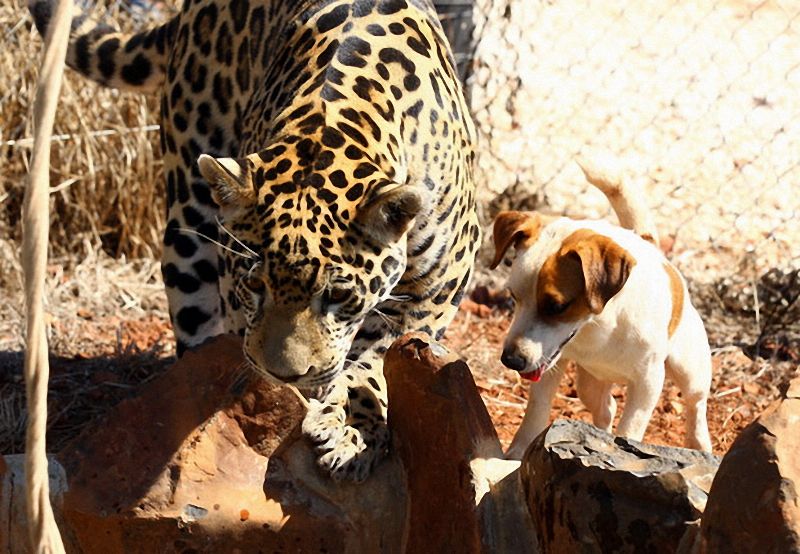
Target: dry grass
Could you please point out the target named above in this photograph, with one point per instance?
(107, 197)
(96, 287)
(106, 168)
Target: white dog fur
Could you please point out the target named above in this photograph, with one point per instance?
(606, 298)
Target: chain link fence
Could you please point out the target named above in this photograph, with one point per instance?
(699, 100)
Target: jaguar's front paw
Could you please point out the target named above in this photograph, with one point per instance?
(324, 424)
(354, 456)
(346, 452)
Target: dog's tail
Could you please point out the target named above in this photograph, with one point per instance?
(625, 198)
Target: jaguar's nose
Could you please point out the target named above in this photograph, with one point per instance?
(289, 379)
(512, 360)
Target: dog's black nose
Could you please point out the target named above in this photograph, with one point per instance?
(512, 360)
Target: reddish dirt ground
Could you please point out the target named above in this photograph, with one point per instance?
(740, 390)
(97, 361)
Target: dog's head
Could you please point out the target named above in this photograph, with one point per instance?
(562, 276)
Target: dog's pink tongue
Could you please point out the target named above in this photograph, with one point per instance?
(533, 376)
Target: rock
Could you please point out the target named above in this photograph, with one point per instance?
(506, 524)
(200, 460)
(461, 496)
(589, 491)
(13, 519)
(754, 503)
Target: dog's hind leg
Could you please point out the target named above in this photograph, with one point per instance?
(596, 396)
(689, 365)
(537, 414)
(697, 435)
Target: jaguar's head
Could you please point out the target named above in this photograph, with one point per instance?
(328, 255)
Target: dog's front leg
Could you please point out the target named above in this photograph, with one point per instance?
(596, 396)
(641, 398)
(537, 414)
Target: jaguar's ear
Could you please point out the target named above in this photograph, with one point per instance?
(230, 181)
(389, 215)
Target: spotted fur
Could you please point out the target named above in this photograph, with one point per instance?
(335, 172)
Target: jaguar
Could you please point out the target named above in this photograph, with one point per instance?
(318, 164)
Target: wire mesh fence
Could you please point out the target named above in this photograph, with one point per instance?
(458, 22)
(699, 100)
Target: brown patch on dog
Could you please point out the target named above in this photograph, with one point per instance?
(580, 279)
(561, 289)
(517, 228)
(676, 290)
(649, 238)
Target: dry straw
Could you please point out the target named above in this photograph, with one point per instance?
(105, 167)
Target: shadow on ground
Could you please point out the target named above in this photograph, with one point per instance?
(80, 389)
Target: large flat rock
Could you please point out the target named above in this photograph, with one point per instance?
(200, 460)
(590, 491)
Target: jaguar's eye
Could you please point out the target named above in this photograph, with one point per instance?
(337, 295)
(253, 284)
(552, 307)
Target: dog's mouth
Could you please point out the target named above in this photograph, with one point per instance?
(534, 374)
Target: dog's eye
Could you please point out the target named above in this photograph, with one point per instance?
(510, 300)
(552, 307)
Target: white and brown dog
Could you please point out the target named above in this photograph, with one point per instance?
(606, 298)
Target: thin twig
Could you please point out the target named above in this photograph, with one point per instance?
(27, 142)
(728, 392)
(505, 403)
(730, 416)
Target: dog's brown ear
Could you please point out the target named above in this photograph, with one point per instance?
(606, 266)
(513, 228)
